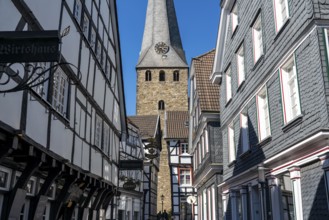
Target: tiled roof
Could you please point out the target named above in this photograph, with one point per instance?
(147, 124)
(176, 124)
(208, 93)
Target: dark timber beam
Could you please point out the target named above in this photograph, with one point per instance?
(83, 210)
(39, 202)
(93, 211)
(62, 197)
(15, 198)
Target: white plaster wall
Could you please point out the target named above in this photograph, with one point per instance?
(96, 162)
(109, 103)
(60, 139)
(85, 53)
(49, 19)
(71, 42)
(37, 121)
(77, 158)
(185, 160)
(91, 76)
(10, 109)
(99, 88)
(174, 159)
(85, 156)
(8, 10)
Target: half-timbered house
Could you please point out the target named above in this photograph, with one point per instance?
(180, 163)
(131, 175)
(60, 135)
(150, 133)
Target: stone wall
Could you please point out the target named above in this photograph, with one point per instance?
(173, 93)
(175, 96)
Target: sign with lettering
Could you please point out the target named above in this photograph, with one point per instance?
(129, 185)
(29, 46)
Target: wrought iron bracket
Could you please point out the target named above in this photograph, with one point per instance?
(23, 76)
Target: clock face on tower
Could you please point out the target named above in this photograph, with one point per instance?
(161, 48)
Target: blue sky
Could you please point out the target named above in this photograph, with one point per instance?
(198, 24)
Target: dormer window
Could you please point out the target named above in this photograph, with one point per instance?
(162, 76)
(148, 76)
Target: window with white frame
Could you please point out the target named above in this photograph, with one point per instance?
(240, 64)
(106, 138)
(234, 17)
(184, 148)
(39, 82)
(244, 132)
(85, 27)
(228, 84)
(60, 92)
(290, 93)
(231, 144)
(257, 37)
(281, 13)
(93, 38)
(78, 10)
(5, 176)
(206, 142)
(185, 177)
(264, 129)
(98, 131)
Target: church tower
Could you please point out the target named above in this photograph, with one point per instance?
(162, 78)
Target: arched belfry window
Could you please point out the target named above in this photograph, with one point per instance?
(161, 105)
(148, 76)
(176, 75)
(162, 76)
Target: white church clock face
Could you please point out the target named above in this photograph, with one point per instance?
(161, 48)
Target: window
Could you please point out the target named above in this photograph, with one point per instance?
(240, 64)
(176, 75)
(39, 82)
(93, 38)
(148, 76)
(290, 93)
(234, 18)
(244, 132)
(287, 197)
(257, 39)
(231, 144)
(161, 105)
(99, 51)
(184, 148)
(228, 84)
(264, 129)
(85, 28)
(98, 131)
(78, 10)
(281, 13)
(162, 76)
(184, 177)
(106, 138)
(60, 92)
(5, 175)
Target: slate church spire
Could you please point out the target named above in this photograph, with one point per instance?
(162, 45)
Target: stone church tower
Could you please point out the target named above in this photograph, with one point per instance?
(162, 78)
